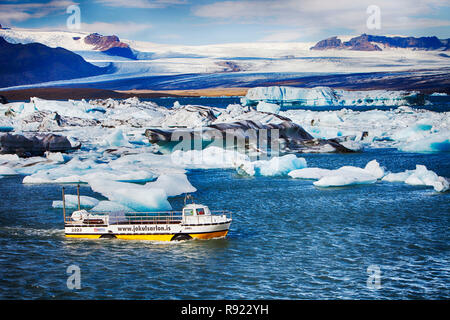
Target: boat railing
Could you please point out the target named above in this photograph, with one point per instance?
(161, 217)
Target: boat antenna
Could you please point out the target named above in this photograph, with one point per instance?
(78, 195)
(64, 205)
(188, 196)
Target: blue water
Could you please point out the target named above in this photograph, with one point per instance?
(288, 240)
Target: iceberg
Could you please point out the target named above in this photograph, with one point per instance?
(137, 197)
(309, 173)
(344, 176)
(268, 107)
(172, 184)
(72, 202)
(110, 206)
(326, 96)
(116, 139)
(7, 171)
(421, 176)
(277, 166)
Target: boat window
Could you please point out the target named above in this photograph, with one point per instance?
(188, 212)
(200, 211)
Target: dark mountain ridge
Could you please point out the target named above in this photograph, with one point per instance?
(367, 42)
(22, 64)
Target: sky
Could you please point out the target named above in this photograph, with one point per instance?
(200, 22)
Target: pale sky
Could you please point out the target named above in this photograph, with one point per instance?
(208, 22)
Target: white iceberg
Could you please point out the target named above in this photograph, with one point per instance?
(421, 176)
(309, 173)
(72, 202)
(268, 107)
(116, 139)
(172, 184)
(276, 166)
(110, 206)
(326, 96)
(137, 197)
(344, 176)
(7, 171)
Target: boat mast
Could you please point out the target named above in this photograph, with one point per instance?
(78, 195)
(64, 205)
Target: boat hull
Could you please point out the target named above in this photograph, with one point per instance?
(148, 232)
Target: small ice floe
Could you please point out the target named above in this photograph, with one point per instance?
(277, 166)
(344, 176)
(421, 176)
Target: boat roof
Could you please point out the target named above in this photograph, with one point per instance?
(194, 206)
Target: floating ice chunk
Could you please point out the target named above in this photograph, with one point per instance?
(397, 177)
(134, 196)
(421, 176)
(110, 206)
(57, 157)
(438, 142)
(72, 202)
(172, 184)
(276, 166)
(309, 173)
(341, 181)
(7, 171)
(117, 139)
(373, 168)
(268, 107)
(344, 176)
(9, 157)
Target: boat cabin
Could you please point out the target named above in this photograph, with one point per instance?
(196, 210)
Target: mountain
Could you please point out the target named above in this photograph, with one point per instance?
(367, 42)
(34, 63)
(110, 45)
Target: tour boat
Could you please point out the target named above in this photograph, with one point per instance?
(195, 221)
